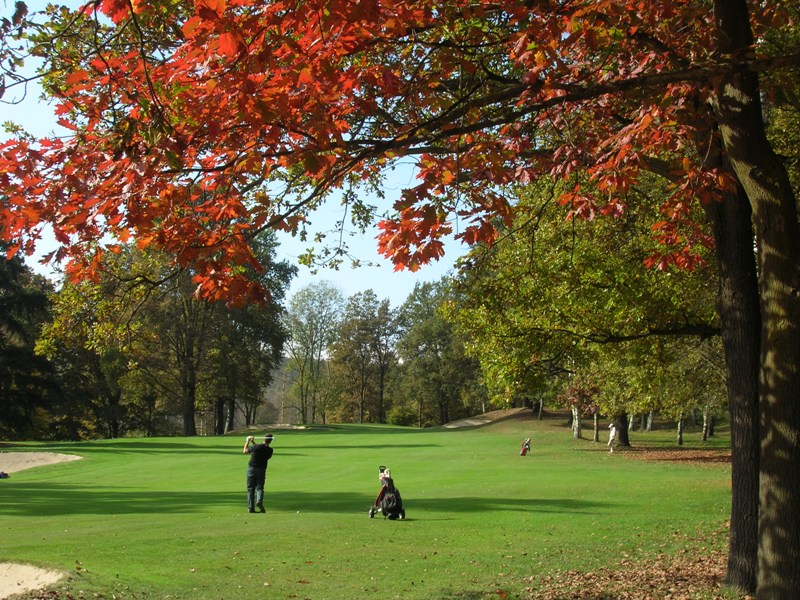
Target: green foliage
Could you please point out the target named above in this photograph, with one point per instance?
(361, 356)
(435, 378)
(27, 383)
(549, 300)
(781, 97)
(403, 414)
(246, 343)
(137, 349)
(166, 517)
(311, 320)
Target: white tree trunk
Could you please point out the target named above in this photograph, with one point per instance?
(576, 423)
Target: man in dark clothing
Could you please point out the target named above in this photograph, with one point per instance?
(257, 470)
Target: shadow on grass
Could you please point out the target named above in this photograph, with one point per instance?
(476, 504)
(53, 499)
(353, 429)
(147, 446)
(151, 447)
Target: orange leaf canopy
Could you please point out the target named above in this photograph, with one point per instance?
(194, 125)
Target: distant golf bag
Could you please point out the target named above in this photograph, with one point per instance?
(526, 447)
(391, 503)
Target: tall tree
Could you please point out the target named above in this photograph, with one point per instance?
(383, 349)
(483, 94)
(435, 374)
(247, 342)
(182, 323)
(144, 311)
(362, 351)
(313, 314)
(765, 180)
(86, 343)
(139, 338)
(27, 381)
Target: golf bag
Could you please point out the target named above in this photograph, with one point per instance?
(391, 503)
(526, 447)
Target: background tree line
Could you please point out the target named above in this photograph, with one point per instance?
(135, 352)
(546, 315)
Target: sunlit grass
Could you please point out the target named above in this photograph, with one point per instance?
(167, 518)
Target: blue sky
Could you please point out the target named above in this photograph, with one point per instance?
(381, 278)
(37, 118)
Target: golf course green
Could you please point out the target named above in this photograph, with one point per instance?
(167, 517)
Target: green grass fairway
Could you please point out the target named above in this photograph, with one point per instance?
(167, 518)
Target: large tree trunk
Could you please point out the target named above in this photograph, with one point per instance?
(189, 425)
(623, 437)
(705, 425)
(765, 180)
(189, 391)
(114, 411)
(230, 414)
(149, 402)
(444, 411)
(382, 394)
(219, 415)
(740, 321)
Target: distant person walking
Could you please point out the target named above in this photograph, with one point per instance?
(612, 436)
(257, 470)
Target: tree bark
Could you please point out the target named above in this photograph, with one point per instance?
(149, 402)
(576, 424)
(188, 402)
(219, 415)
(740, 324)
(230, 414)
(444, 411)
(623, 437)
(765, 180)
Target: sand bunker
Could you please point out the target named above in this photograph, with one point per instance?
(11, 462)
(17, 578)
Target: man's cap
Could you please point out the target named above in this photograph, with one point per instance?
(269, 436)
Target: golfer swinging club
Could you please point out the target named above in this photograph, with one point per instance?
(257, 470)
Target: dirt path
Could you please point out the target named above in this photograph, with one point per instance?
(489, 417)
